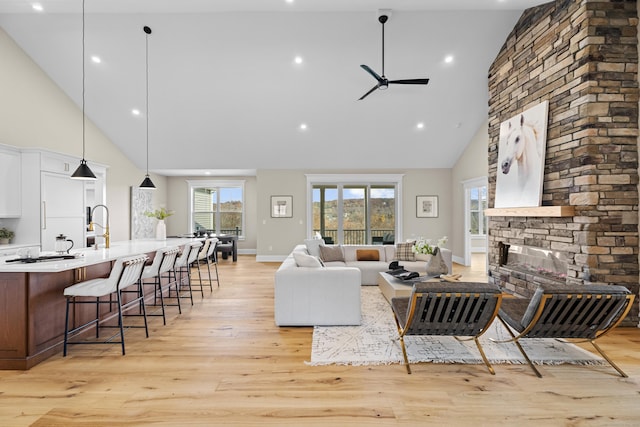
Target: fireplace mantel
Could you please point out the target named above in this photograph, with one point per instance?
(539, 211)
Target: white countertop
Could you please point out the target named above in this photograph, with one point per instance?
(91, 256)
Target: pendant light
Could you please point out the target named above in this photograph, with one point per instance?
(147, 183)
(83, 171)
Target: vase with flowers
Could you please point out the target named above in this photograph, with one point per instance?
(423, 248)
(161, 228)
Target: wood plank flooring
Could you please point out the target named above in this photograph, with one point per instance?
(224, 362)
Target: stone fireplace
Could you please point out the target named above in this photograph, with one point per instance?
(582, 57)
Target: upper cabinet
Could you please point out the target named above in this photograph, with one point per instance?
(10, 183)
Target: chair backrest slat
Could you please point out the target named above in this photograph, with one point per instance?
(464, 312)
(577, 315)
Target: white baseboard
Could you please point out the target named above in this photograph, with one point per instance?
(458, 260)
(270, 258)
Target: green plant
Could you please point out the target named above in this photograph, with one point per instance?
(6, 233)
(161, 213)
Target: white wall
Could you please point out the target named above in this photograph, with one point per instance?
(277, 236)
(35, 113)
(473, 163)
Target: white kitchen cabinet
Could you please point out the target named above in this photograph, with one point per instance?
(10, 183)
(52, 202)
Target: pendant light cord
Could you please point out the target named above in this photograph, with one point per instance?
(147, 95)
(383, 49)
(83, 87)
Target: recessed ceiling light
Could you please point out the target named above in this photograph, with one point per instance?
(96, 59)
(135, 112)
(448, 59)
(420, 125)
(37, 6)
(289, 1)
(303, 126)
(207, 173)
(298, 59)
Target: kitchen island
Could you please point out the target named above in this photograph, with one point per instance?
(32, 304)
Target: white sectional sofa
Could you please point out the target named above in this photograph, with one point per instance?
(330, 295)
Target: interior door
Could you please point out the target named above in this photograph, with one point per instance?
(476, 201)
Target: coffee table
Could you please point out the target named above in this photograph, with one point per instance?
(392, 287)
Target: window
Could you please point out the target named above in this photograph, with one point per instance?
(359, 210)
(217, 207)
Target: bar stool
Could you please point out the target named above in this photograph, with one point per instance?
(126, 271)
(206, 254)
(161, 267)
(183, 266)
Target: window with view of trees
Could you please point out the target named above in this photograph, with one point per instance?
(355, 213)
(217, 207)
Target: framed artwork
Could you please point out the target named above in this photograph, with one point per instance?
(281, 206)
(142, 226)
(426, 206)
(521, 153)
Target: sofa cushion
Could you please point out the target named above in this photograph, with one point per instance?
(313, 246)
(367, 255)
(330, 253)
(404, 251)
(304, 260)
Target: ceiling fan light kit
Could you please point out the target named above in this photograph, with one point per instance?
(383, 82)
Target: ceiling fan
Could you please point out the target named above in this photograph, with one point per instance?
(383, 82)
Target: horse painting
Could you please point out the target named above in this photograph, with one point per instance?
(521, 152)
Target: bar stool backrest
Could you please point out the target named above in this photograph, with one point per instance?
(127, 270)
(205, 248)
(168, 259)
(212, 246)
(189, 254)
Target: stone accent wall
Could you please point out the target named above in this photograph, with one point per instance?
(581, 56)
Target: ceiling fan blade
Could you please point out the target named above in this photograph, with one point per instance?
(368, 93)
(410, 82)
(373, 73)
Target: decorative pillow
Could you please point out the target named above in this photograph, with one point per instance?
(367, 255)
(313, 246)
(304, 260)
(329, 253)
(404, 252)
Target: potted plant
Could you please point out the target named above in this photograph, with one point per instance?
(160, 214)
(5, 235)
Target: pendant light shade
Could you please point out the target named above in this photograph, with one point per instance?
(147, 183)
(83, 171)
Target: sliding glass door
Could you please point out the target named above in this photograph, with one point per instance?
(354, 214)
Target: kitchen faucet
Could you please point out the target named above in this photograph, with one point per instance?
(106, 229)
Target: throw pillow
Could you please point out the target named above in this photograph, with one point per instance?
(330, 253)
(404, 251)
(304, 260)
(367, 255)
(313, 246)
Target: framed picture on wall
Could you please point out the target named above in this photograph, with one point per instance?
(281, 206)
(427, 206)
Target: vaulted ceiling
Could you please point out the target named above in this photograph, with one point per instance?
(225, 91)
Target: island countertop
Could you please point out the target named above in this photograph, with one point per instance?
(90, 256)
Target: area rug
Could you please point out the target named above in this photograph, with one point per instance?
(375, 342)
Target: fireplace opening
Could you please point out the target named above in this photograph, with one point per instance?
(543, 262)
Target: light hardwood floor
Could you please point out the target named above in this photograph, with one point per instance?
(224, 362)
